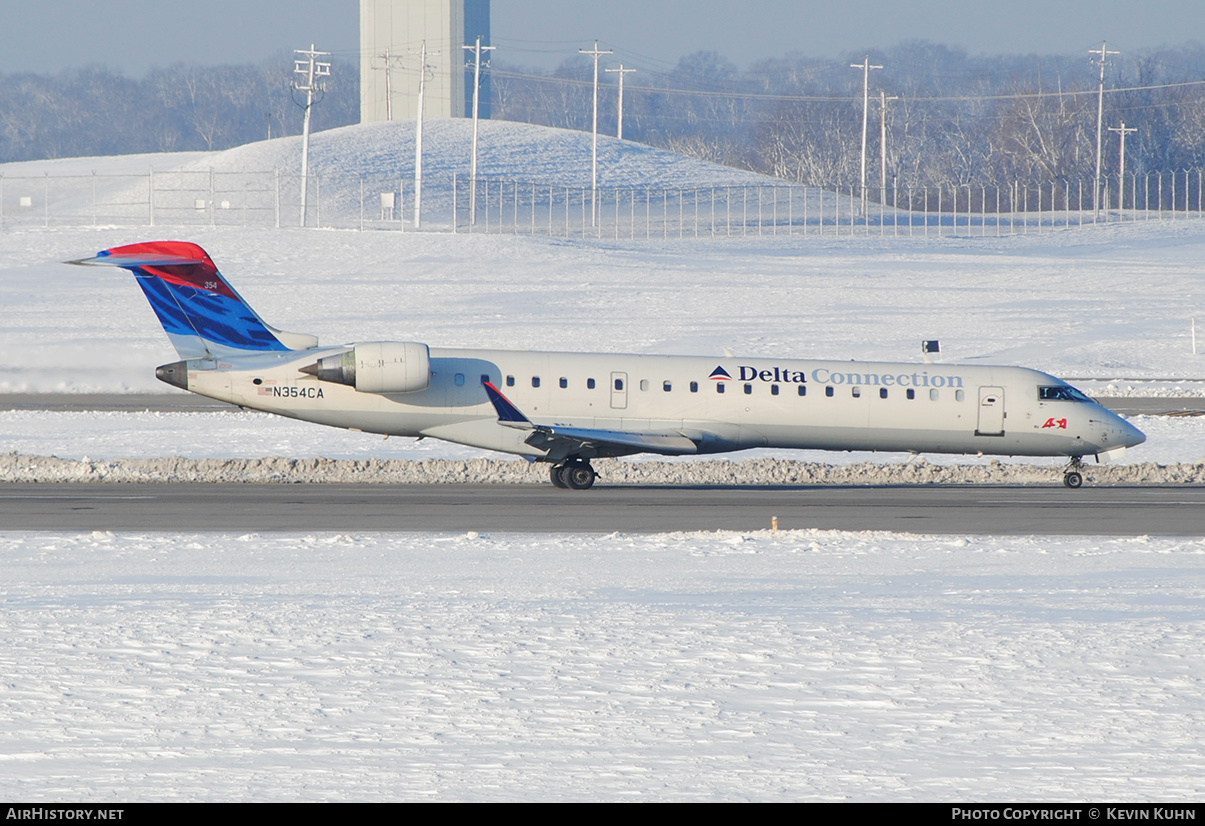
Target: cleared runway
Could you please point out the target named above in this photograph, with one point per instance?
(1128, 511)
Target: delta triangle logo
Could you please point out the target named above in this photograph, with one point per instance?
(720, 374)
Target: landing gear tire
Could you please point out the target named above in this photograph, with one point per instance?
(1072, 477)
(579, 477)
(573, 475)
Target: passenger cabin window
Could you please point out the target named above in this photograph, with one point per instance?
(959, 395)
(911, 394)
(459, 379)
(666, 386)
(535, 381)
(564, 382)
(773, 389)
(694, 387)
(485, 377)
(644, 384)
(719, 387)
(748, 389)
(803, 389)
(828, 391)
(932, 395)
(510, 381)
(589, 384)
(882, 392)
(1061, 393)
(856, 392)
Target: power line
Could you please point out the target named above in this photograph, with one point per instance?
(390, 62)
(1100, 114)
(312, 69)
(418, 138)
(1121, 175)
(476, 50)
(792, 98)
(865, 67)
(596, 53)
(622, 71)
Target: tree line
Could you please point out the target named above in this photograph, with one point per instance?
(95, 111)
(955, 119)
(951, 118)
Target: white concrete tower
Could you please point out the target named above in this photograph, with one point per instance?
(391, 29)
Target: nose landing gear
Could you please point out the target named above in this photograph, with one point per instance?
(575, 474)
(1072, 477)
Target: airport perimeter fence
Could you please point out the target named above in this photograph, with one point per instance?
(492, 205)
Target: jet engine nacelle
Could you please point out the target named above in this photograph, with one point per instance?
(378, 367)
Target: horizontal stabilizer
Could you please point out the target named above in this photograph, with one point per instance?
(130, 261)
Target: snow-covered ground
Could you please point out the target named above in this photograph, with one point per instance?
(803, 666)
(704, 666)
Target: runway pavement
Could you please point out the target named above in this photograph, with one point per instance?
(1122, 511)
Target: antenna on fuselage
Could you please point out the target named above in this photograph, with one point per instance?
(930, 349)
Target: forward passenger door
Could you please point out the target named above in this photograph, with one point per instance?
(991, 412)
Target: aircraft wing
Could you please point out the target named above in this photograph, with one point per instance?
(561, 440)
(666, 442)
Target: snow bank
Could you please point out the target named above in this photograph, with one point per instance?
(15, 467)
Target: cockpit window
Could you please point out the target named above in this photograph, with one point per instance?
(1061, 393)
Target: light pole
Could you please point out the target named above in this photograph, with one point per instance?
(865, 67)
(596, 53)
(1100, 113)
(476, 50)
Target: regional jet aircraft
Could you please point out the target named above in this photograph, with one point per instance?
(566, 409)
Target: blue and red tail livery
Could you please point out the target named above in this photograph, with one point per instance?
(200, 312)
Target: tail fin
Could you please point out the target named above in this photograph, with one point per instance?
(202, 314)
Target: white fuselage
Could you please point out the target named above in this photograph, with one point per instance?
(830, 405)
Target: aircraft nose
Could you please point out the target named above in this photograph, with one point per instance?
(1129, 435)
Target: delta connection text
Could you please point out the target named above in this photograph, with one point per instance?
(823, 375)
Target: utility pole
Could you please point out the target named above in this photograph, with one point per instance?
(865, 67)
(883, 142)
(390, 62)
(476, 50)
(596, 53)
(312, 69)
(1121, 175)
(418, 139)
(622, 71)
(1100, 114)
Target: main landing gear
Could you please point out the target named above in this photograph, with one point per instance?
(1072, 477)
(575, 474)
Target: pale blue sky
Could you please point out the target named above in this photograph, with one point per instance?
(132, 35)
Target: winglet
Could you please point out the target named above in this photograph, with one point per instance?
(508, 414)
